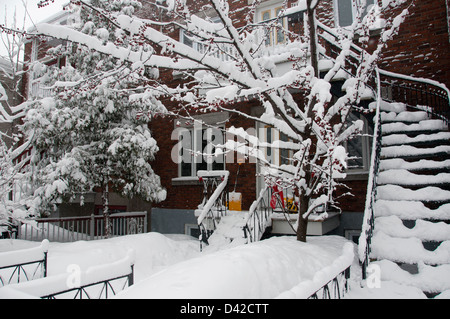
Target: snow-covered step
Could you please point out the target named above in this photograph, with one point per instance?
(408, 250)
(421, 165)
(410, 210)
(426, 194)
(424, 230)
(405, 117)
(428, 278)
(392, 107)
(406, 178)
(422, 126)
(405, 151)
(229, 231)
(402, 139)
(412, 207)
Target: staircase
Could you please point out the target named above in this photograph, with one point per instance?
(411, 230)
(219, 227)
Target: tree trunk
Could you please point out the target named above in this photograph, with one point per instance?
(106, 219)
(302, 223)
(304, 200)
(311, 11)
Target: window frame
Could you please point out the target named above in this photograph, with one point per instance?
(366, 137)
(194, 162)
(353, 12)
(273, 8)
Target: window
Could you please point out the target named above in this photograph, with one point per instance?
(273, 35)
(346, 11)
(196, 150)
(285, 154)
(276, 155)
(225, 52)
(359, 148)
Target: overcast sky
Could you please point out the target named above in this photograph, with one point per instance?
(33, 14)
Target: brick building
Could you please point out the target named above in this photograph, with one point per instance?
(420, 49)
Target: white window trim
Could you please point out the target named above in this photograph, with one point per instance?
(197, 125)
(272, 6)
(366, 140)
(336, 11)
(195, 158)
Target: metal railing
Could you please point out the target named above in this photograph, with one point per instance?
(68, 229)
(428, 95)
(335, 288)
(415, 92)
(23, 265)
(368, 221)
(97, 282)
(214, 204)
(97, 289)
(259, 216)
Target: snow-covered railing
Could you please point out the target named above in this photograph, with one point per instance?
(67, 229)
(98, 282)
(368, 221)
(415, 92)
(214, 204)
(333, 49)
(258, 216)
(395, 87)
(23, 265)
(330, 282)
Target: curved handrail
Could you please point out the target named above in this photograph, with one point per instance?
(258, 216)
(425, 94)
(215, 200)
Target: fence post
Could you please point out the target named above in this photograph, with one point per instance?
(131, 276)
(92, 228)
(145, 221)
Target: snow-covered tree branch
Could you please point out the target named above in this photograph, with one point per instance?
(121, 59)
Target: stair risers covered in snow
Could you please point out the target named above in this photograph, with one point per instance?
(411, 240)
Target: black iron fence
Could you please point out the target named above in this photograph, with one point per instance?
(23, 265)
(68, 229)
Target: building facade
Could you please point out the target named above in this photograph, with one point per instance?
(420, 50)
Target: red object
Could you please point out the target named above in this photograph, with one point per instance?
(273, 200)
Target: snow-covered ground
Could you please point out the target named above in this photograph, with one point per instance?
(171, 266)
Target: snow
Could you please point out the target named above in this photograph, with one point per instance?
(408, 150)
(429, 278)
(426, 231)
(397, 139)
(408, 250)
(404, 177)
(410, 210)
(398, 163)
(171, 266)
(437, 125)
(263, 269)
(395, 192)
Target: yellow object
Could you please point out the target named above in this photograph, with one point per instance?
(291, 206)
(235, 201)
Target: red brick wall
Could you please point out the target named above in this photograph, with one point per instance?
(422, 46)
(190, 196)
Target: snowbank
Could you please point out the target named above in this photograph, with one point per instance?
(263, 269)
(153, 252)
